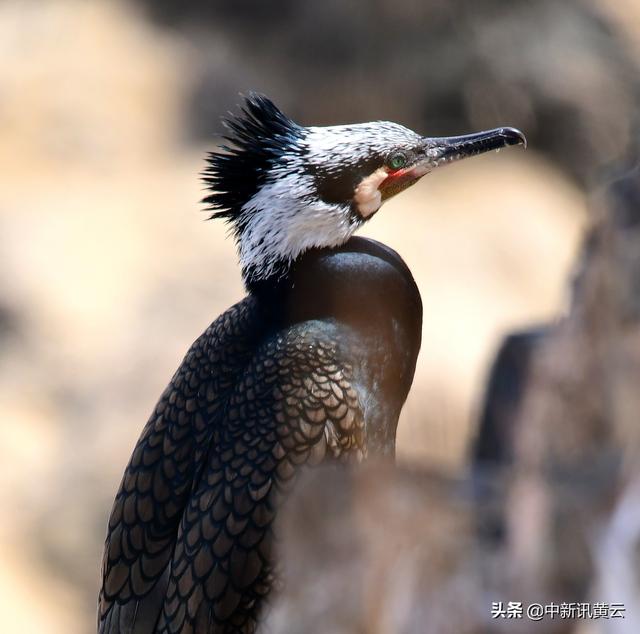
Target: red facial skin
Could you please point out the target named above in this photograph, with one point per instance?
(397, 180)
(394, 176)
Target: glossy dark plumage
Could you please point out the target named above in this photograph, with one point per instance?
(313, 367)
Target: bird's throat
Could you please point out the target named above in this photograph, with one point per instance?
(367, 197)
(382, 185)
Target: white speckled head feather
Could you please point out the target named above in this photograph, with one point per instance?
(349, 143)
(286, 188)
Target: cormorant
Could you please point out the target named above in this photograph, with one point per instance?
(313, 365)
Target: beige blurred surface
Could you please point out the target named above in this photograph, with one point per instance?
(110, 273)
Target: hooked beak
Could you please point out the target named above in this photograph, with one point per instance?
(441, 150)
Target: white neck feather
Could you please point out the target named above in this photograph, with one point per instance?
(284, 219)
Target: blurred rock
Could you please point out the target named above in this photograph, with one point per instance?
(584, 356)
(377, 550)
(383, 550)
(575, 434)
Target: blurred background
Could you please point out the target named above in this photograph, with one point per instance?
(108, 270)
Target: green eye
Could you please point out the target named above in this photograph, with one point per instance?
(397, 160)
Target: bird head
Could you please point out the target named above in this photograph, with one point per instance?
(286, 188)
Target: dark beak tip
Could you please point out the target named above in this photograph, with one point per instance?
(513, 136)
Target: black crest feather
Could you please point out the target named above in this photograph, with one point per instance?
(257, 138)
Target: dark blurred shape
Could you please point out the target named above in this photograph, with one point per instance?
(191, 14)
(624, 201)
(505, 390)
(492, 451)
(559, 71)
(9, 323)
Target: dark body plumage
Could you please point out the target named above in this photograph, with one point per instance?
(310, 368)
